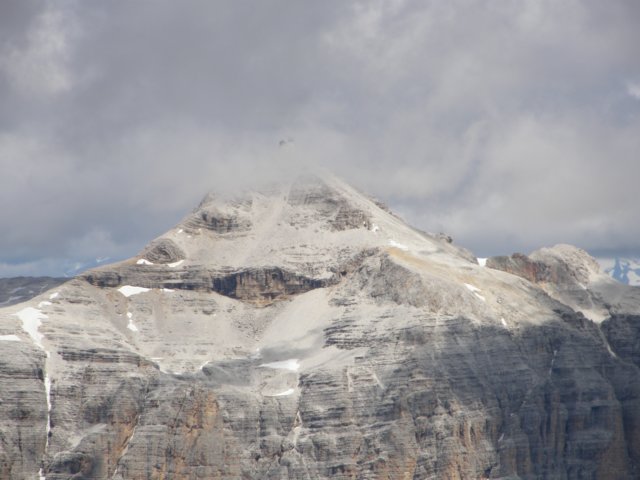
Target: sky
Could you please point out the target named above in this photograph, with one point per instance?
(508, 124)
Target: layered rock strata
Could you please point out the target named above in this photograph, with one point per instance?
(305, 332)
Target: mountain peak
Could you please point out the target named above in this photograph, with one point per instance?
(300, 330)
(311, 225)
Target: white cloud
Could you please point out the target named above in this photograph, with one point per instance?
(500, 122)
(633, 89)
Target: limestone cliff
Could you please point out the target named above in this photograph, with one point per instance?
(305, 332)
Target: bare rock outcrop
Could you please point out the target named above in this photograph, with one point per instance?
(163, 251)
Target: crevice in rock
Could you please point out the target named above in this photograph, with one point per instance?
(102, 355)
(264, 286)
(259, 286)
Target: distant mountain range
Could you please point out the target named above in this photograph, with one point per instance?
(20, 289)
(625, 270)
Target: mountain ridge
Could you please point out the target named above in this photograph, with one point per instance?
(302, 331)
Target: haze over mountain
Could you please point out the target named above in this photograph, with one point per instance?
(305, 331)
(507, 124)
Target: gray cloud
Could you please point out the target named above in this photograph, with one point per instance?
(510, 125)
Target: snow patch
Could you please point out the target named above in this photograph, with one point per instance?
(282, 394)
(47, 389)
(168, 290)
(143, 261)
(130, 325)
(175, 264)
(503, 321)
(54, 295)
(472, 287)
(292, 364)
(475, 291)
(482, 262)
(128, 290)
(401, 246)
(375, 228)
(44, 304)
(31, 320)
(9, 338)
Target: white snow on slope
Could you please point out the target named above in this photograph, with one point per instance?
(9, 338)
(131, 325)
(482, 262)
(282, 394)
(31, 320)
(54, 295)
(475, 291)
(44, 304)
(128, 290)
(47, 389)
(144, 261)
(291, 364)
(175, 264)
(401, 246)
(472, 288)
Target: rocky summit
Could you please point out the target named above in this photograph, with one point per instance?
(304, 331)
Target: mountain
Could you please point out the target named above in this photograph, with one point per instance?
(624, 270)
(304, 331)
(19, 289)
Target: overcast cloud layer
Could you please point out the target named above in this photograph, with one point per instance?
(508, 124)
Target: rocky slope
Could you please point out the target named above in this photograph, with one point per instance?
(304, 332)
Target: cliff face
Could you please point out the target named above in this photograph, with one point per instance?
(305, 332)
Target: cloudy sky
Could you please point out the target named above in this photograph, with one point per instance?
(509, 124)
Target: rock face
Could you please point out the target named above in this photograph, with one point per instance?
(305, 332)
